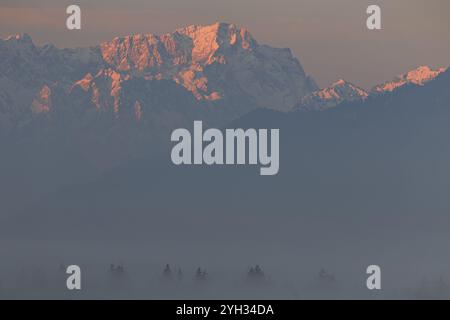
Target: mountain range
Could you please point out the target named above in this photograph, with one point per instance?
(219, 66)
(160, 82)
(343, 91)
(69, 115)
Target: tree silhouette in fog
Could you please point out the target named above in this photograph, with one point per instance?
(201, 275)
(255, 274)
(167, 272)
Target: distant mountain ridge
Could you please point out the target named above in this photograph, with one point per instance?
(343, 91)
(418, 76)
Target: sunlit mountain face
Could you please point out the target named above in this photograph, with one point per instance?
(419, 76)
(221, 66)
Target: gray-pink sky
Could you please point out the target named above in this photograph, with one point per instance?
(328, 36)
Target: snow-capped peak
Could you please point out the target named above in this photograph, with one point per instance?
(209, 38)
(333, 95)
(339, 82)
(196, 43)
(199, 56)
(418, 76)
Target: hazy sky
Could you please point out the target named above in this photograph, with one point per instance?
(328, 36)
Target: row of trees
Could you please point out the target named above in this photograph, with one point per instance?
(254, 273)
